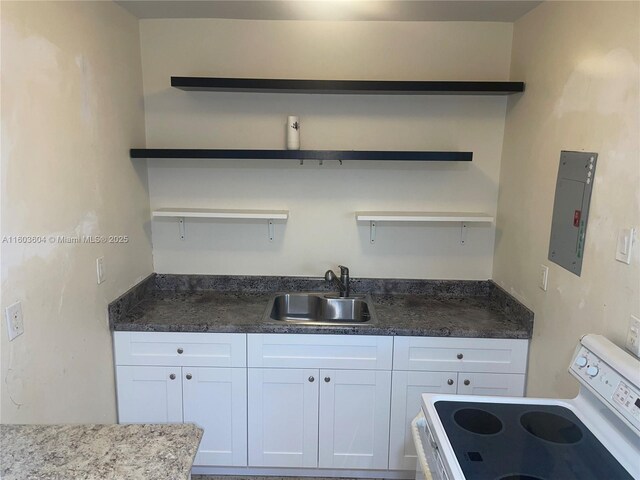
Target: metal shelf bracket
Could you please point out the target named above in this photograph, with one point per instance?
(463, 233)
(372, 232)
(271, 230)
(181, 227)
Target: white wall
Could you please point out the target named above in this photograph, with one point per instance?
(71, 109)
(580, 62)
(322, 230)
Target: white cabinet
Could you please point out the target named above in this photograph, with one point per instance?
(319, 418)
(215, 399)
(149, 394)
(405, 404)
(470, 366)
(332, 402)
(283, 417)
(164, 388)
(354, 419)
(333, 413)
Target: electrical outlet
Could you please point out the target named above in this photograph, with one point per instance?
(543, 277)
(100, 269)
(633, 336)
(15, 323)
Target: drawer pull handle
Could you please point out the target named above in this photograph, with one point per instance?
(180, 351)
(450, 381)
(311, 379)
(467, 382)
(189, 376)
(172, 376)
(327, 379)
(460, 356)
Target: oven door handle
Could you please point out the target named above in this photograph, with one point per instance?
(420, 422)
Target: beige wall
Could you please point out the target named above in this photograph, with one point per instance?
(71, 109)
(580, 62)
(322, 230)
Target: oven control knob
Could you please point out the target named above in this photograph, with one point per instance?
(581, 361)
(592, 371)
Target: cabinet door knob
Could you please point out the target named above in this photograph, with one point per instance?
(180, 351)
(189, 376)
(460, 356)
(450, 381)
(311, 379)
(467, 382)
(172, 376)
(327, 379)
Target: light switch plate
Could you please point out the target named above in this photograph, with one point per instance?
(544, 277)
(15, 323)
(626, 237)
(633, 336)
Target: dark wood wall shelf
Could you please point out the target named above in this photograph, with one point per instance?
(402, 155)
(353, 87)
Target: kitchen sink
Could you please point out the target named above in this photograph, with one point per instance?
(320, 308)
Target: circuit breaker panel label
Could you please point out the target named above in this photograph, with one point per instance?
(571, 209)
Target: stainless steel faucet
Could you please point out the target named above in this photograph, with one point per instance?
(342, 283)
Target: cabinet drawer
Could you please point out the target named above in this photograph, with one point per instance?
(320, 351)
(505, 385)
(489, 355)
(180, 349)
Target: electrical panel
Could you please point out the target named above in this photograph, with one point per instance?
(571, 209)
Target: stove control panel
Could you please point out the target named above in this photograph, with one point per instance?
(618, 392)
(627, 399)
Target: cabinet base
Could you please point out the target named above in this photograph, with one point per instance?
(303, 472)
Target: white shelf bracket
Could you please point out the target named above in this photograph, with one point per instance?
(372, 232)
(271, 230)
(181, 227)
(463, 233)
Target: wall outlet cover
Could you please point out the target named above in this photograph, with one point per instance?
(15, 322)
(100, 269)
(633, 336)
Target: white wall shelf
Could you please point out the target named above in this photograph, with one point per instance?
(425, 217)
(182, 213)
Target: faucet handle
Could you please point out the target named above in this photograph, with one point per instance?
(343, 270)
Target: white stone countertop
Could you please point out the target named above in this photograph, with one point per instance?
(98, 452)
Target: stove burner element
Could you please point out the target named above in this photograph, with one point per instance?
(519, 477)
(477, 421)
(551, 427)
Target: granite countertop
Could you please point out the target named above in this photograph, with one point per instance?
(98, 452)
(199, 303)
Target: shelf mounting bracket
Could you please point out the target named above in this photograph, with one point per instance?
(372, 232)
(271, 230)
(463, 233)
(181, 227)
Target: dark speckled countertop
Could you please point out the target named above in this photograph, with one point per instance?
(212, 303)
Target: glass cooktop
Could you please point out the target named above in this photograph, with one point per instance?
(503, 441)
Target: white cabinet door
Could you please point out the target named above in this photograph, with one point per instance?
(407, 387)
(283, 417)
(149, 394)
(507, 385)
(215, 399)
(354, 419)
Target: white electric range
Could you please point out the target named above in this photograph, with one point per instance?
(593, 436)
